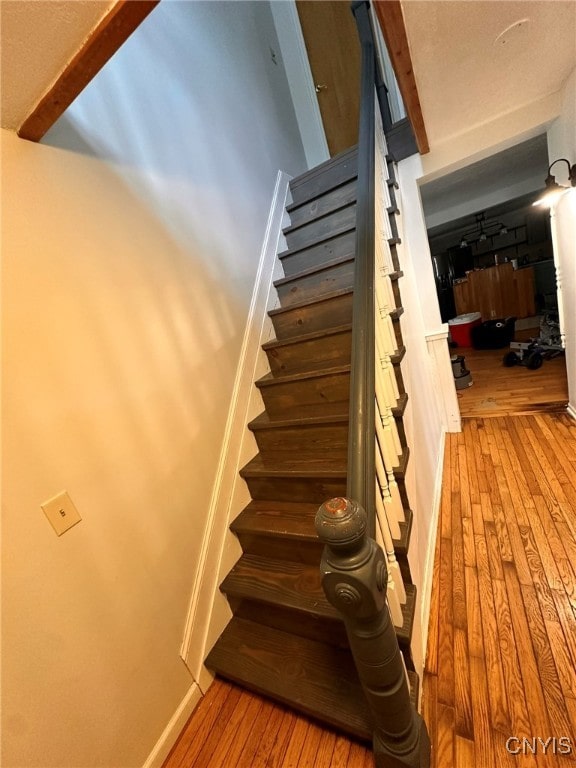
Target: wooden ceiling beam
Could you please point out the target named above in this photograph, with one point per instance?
(102, 43)
(389, 13)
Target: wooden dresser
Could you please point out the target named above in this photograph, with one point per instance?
(498, 291)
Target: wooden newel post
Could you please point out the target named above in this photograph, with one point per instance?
(354, 578)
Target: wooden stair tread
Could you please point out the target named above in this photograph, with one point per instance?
(294, 227)
(281, 465)
(400, 407)
(326, 266)
(325, 333)
(401, 545)
(280, 582)
(318, 170)
(269, 379)
(308, 302)
(337, 195)
(297, 586)
(332, 236)
(293, 520)
(263, 421)
(398, 357)
(325, 177)
(296, 671)
(400, 469)
(278, 518)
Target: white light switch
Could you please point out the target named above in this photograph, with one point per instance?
(61, 512)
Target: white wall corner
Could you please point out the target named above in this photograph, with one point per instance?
(175, 725)
(300, 81)
(445, 388)
(205, 590)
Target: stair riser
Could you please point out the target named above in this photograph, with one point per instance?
(320, 206)
(327, 631)
(320, 229)
(317, 490)
(322, 629)
(314, 355)
(342, 246)
(295, 489)
(318, 440)
(322, 316)
(318, 183)
(285, 399)
(336, 278)
(308, 552)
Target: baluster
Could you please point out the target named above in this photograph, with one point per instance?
(396, 506)
(382, 483)
(388, 547)
(354, 579)
(392, 598)
(389, 423)
(385, 331)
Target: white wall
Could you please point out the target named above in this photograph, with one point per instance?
(130, 252)
(562, 143)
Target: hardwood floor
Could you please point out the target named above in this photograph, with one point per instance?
(500, 391)
(232, 728)
(501, 656)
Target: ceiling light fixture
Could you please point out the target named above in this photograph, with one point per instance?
(483, 230)
(553, 190)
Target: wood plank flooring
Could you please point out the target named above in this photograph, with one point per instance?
(232, 728)
(501, 658)
(500, 391)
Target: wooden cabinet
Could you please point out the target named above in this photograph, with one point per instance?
(498, 291)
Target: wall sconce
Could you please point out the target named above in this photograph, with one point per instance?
(553, 189)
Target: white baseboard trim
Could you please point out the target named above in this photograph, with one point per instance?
(426, 588)
(571, 410)
(174, 728)
(193, 649)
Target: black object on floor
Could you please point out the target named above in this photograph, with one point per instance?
(494, 334)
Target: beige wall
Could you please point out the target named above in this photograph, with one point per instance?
(100, 353)
(130, 243)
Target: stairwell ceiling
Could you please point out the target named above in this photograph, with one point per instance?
(469, 73)
(38, 39)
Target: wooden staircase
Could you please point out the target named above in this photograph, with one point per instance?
(285, 640)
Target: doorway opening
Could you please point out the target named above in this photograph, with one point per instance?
(493, 263)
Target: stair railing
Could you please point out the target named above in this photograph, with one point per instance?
(361, 580)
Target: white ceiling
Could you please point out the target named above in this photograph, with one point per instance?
(39, 37)
(466, 77)
(514, 171)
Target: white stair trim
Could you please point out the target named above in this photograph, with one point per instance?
(205, 593)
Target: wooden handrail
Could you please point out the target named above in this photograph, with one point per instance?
(353, 567)
(361, 430)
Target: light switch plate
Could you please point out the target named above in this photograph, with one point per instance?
(61, 512)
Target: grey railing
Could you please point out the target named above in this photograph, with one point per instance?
(353, 567)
